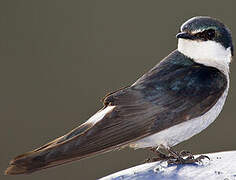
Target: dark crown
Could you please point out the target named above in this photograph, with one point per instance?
(208, 28)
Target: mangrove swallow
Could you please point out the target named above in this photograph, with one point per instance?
(178, 98)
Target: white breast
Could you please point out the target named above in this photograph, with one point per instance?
(183, 131)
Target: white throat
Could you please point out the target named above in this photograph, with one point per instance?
(209, 53)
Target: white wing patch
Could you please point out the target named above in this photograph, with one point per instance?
(100, 114)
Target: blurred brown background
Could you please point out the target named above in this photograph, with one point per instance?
(59, 58)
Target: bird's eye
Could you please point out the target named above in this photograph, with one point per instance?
(206, 35)
(210, 34)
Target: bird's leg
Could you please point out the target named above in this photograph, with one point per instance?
(159, 151)
(160, 155)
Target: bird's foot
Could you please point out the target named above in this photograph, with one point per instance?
(172, 157)
(184, 157)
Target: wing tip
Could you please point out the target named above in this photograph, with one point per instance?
(17, 167)
(14, 170)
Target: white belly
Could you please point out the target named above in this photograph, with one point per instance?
(183, 131)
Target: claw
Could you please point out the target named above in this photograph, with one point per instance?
(200, 158)
(190, 157)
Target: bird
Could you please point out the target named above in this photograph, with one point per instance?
(175, 100)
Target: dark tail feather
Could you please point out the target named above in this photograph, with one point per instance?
(118, 128)
(61, 150)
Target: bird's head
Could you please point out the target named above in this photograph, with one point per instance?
(206, 40)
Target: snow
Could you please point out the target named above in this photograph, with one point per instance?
(222, 166)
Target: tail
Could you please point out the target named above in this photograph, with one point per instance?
(70, 147)
(110, 128)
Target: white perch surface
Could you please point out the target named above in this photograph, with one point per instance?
(222, 166)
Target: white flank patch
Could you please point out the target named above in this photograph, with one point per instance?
(183, 131)
(209, 53)
(100, 114)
